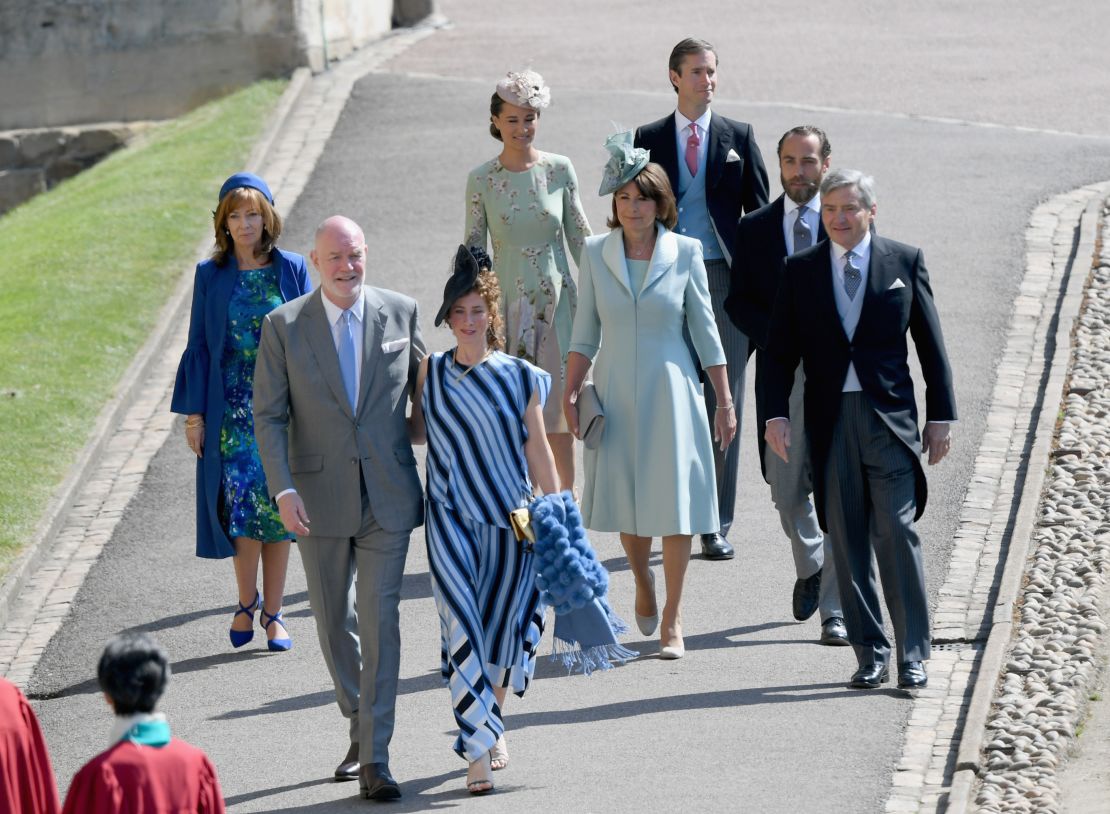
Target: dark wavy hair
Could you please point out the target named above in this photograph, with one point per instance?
(133, 671)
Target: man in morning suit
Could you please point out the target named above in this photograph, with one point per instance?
(843, 309)
(790, 223)
(334, 375)
(717, 173)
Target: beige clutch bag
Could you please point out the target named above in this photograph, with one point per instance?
(591, 416)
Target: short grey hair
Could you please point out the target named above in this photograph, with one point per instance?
(864, 184)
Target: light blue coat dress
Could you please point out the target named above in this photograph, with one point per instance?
(652, 474)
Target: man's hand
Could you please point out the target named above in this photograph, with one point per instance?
(936, 440)
(777, 436)
(293, 515)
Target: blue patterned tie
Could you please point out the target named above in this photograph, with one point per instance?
(803, 235)
(347, 359)
(851, 276)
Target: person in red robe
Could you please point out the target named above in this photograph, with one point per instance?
(26, 778)
(145, 769)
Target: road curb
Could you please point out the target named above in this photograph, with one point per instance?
(1001, 626)
(129, 386)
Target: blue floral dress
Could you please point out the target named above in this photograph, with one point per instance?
(244, 505)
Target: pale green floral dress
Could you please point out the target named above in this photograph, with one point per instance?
(532, 218)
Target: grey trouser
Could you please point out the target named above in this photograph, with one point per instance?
(791, 484)
(354, 589)
(869, 508)
(726, 464)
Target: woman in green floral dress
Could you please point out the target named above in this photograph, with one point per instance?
(527, 201)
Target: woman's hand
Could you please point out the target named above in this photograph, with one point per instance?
(724, 426)
(577, 366)
(570, 410)
(194, 434)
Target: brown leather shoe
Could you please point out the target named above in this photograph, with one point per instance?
(376, 783)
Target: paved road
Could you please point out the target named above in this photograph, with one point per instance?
(756, 717)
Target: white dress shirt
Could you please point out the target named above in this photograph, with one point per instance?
(812, 218)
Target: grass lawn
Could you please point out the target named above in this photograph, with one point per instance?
(84, 270)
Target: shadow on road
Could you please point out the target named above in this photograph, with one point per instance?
(415, 796)
(90, 686)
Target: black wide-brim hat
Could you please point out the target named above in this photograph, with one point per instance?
(464, 276)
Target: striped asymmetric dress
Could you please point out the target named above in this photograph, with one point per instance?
(490, 615)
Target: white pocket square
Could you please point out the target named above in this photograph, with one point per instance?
(396, 344)
(732, 156)
(896, 284)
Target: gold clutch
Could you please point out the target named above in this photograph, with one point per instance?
(521, 521)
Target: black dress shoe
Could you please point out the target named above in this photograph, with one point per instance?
(715, 547)
(911, 675)
(348, 768)
(806, 593)
(833, 632)
(869, 677)
(376, 783)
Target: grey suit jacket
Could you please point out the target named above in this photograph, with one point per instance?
(307, 436)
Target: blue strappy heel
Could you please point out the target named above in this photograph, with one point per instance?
(242, 637)
(264, 621)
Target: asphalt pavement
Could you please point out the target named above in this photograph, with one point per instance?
(964, 135)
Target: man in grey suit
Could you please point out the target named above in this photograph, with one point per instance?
(789, 224)
(844, 308)
(334, 375)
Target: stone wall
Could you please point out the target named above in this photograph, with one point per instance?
(68, 62)
(32, 161)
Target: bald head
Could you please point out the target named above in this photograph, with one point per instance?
(340, 225)
(340, 257)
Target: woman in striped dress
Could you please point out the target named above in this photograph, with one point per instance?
(481, 412)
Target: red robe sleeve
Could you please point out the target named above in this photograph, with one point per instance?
(26, 777)
(210, 797)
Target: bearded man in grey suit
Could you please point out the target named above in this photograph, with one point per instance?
(335, 371)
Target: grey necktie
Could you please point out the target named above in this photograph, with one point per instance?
(803, 235)
(851, 275)
(347, 358)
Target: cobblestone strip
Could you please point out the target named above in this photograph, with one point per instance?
(1051, 667)
(286, 155)
(966, 605)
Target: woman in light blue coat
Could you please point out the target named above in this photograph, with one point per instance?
(652, 474)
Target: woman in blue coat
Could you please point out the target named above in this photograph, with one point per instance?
(652, 473)
(246, 278)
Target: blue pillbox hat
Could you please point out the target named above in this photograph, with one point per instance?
(246, 179)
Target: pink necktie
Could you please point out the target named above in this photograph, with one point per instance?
(692, 150)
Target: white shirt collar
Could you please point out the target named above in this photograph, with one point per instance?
(813, 204)
(702, 121)
(860, 249)
(334, 312)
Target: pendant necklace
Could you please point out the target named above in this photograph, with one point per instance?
(455, 363)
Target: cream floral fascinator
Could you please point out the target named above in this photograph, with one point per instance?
(625, 162)
(524, 89)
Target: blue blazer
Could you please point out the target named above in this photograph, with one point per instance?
(200, 384)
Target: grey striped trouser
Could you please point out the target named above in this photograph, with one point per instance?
(870, 502)
(726, 464)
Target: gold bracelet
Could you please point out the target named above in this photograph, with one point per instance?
(192, 422)
(727, 407)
